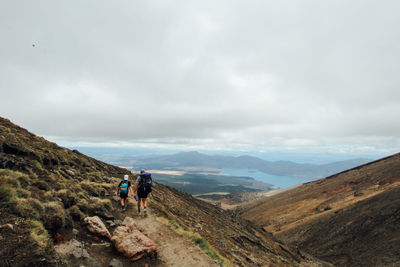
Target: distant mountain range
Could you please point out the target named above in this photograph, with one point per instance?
(197, 161)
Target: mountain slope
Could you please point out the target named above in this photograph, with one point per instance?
(47, 190)
(350, 219)
(187, 160)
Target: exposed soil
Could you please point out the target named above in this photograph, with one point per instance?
(173, 249)
(17, 248)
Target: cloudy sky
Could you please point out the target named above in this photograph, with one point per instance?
(250, 75)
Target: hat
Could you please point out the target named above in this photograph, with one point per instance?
(141, 171)
(126, 177)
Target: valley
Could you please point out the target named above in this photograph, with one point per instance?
(196, 162)
(47, 193)
(212, 177)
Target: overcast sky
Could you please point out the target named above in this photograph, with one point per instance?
(250, 75)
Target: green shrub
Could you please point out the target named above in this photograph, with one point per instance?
(68, 197)
(208, 249)
(201, 242)
(75, 213)
(54, 216)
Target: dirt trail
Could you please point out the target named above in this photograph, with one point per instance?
(173, 249)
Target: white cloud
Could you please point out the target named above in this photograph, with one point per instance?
(248, 74)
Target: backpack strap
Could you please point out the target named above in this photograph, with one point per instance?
(141, 181)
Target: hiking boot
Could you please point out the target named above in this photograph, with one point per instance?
(138, 212)
(123, 208)
(144, 210)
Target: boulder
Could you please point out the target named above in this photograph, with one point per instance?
(132, 243)
(96, 226)
(75, 252)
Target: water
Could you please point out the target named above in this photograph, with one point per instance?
(279, 181)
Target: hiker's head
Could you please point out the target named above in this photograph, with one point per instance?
(126, 177)
(141, 171)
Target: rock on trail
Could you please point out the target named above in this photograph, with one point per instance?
(77, 254)
(129, 241)
(96, 226)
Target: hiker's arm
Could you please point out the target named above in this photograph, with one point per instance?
(130, 190)
(136, 187)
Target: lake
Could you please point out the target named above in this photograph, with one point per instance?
(277, 180)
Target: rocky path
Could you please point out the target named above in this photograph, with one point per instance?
(173, 249)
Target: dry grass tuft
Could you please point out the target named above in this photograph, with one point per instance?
(7, 193)
(39, 234)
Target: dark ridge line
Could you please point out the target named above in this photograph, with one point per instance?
(361, 166)
(8, 121)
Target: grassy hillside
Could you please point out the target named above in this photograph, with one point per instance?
(47, 190)
(349, 219)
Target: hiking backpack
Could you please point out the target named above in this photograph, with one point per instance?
(124, 188)
(145, 182)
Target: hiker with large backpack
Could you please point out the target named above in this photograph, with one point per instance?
(124, 188)
(143, 188)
